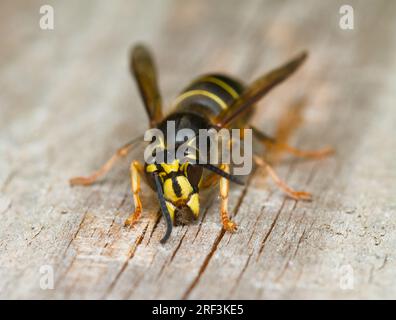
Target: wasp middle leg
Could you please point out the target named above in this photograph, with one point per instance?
(135, 171)
(88, 180)
(228, 225)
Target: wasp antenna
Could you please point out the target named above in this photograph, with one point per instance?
(164, 209)
(221, 173)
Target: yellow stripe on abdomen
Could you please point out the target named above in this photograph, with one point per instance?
(205, 93)
(221, 84)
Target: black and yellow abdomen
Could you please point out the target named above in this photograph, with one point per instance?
(209, 95)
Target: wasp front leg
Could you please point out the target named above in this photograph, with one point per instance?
(228, 225)
(135, 170)
(120, 153)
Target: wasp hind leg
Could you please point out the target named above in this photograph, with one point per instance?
(308, 154)
(297, 195)
(135, 170)
(228, 225)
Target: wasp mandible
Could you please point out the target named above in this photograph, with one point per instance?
(210, 101)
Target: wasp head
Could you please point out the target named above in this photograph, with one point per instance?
(180, 187)
(177, 185)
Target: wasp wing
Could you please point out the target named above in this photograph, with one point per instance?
(143, 69)
(258, 89)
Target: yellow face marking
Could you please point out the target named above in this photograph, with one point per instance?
(184, 186)
(151, 168)
(171, 167)
(208, 94)
(223, 85)
(184, 167)
(193, 204)
(169, 192)
(171, 209)
(162, 176)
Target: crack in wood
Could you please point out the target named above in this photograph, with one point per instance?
(263, 242)
(299, 241)
(238, 279)
(216, 243)
(255, 224)
(114, 218)
(204, 265)
(289, 123)
(77, 231)
(158, 218)
(289, 218)
(8, 180)
(373, 269)
(382, 266)
(201, 223)
(178, 246)
(172, 255)
(35, 235)
(8, 207)
(62, 277)
(130, 255)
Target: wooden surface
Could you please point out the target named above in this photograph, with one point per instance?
(67, 102)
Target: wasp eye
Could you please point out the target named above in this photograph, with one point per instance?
(194, 174)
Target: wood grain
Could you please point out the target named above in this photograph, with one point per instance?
(67, 102)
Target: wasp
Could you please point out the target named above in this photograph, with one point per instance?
(210, 101)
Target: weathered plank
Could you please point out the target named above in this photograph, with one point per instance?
(67, 101)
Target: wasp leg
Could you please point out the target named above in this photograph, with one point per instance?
(297, 195)
(86, 181)
(213, 178)
(135, 169)
(228, 225)
(310, 154)
(210, 181)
